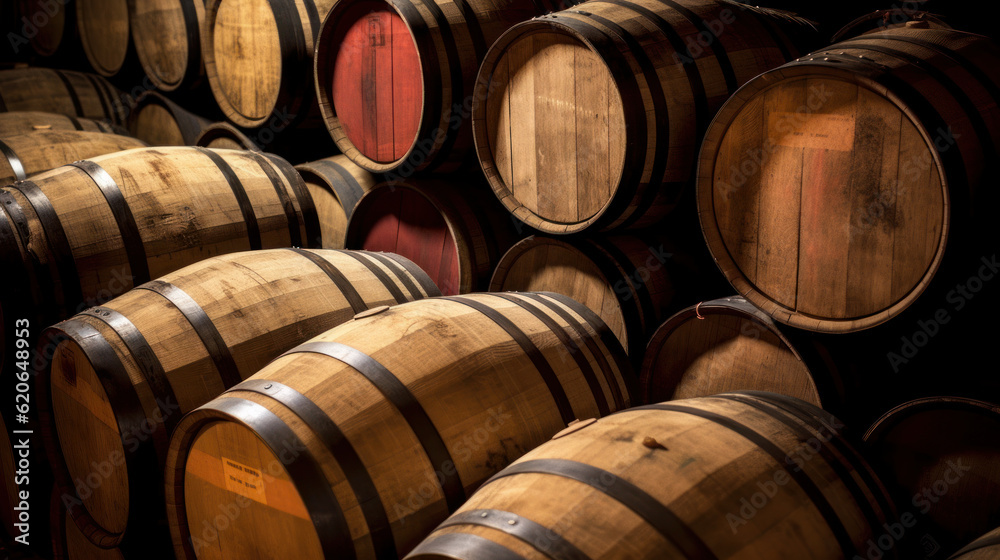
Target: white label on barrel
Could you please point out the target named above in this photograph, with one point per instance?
(805, 130)
(243, 480)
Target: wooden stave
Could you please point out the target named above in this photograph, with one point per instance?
(760, 411)
(25, 122)
(345, 184)
(189, 125)
(210, 412)
(107, 103)
(29, 154)
(193, 14)
(228, 132)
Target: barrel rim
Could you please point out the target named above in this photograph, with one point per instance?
(805, 68)
(902, 412)
(194, 66)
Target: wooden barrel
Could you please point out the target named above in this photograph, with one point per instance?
(50, 28)
(371, 433)
(336, 185)
(104, 32)
(632, 282)
(161, 122)
(61, 91)
(28, 154)
(986, 547)
(69, 542)
(97, 228)
(891, 18)
(456, 234)
(258, 57)
(942, 453)
(167, 38)
(394, 78)
(644, 108)
(222, 135)
(23, 122)
(739, 475)
(834, 215)
(121, 375)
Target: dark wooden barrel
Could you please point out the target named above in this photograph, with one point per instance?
(222, 135)
(25, 155)
(167, 38)
(122, 374)
(891, 18)
(591, 118)
(834, 215)
(394, 418)
(733, 476)
(23, 122)
(61, 91)
(51, 28)
(942, 454)
(394, 79)
(69, 542)
(986, 547)
(336, 185)
(103, 26)
(161, 122)
(453, 230)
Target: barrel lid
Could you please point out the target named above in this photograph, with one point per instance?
(371, 312)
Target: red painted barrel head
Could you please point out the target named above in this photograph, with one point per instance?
(377, 87)
(402, 221)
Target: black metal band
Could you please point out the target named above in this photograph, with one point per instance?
(313, 14)
(71, 91)
(542, 365)
(956, 58)
(291, 217)
(417, 273)
(473, 28)
(192, 31)
(571, 346)
(408, 406)
(16, 166)
(343, 452)
(102, 95)
(127, 227)
(355, 300)
(659, 516)
(649, 320)
(79, 126)
(463, 546)
(349, 191)
(398, 271)
(295, 56)
(455, 73)
(246, 207)
(314, 237)
(394, 290)
(203, 326)
(543, 538)
(719, 50)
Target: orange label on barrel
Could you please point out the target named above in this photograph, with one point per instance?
(805, 130)
(243, 480)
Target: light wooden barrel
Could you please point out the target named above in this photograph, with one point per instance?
(161, 122)
(392, 77)
(103, 26)
(97, 228)
(336, 185)
(69, 542)
(23, 122)
(342, 436)
(834, 214)
(453, 230)
(58, 32)
(61, 91)
(739, 475)
(986, 547)
(942, 454)
(122, 374)
(632, 282)
(258, 57)
(222, 135)
(167, 38)
(25, 155)
(590, 118)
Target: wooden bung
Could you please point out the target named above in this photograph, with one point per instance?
(25, 155)
(161, 122)
(122, 374)
(394, 79)
(454, 230)
(942, 455)
(103, 26)
(590, 118)
(739, 475)
(336, 185)
(167, 38)
(357, 443)
(24, 122)
(828, 188)
(61, 91)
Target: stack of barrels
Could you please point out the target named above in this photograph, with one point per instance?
(510, 280)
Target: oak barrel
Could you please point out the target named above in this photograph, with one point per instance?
(590, 118)
(23, 122)
(50, 28)
(69, 542)
(61, 91)
(453, 230)
(80, 234)
(632, 282)
(103, 26)
(161, 122)
(29, 154)
(394, 78)
(222, 135)
(167, 38)
(834, 214)
(258, 57)
(986, 547)
(891, 18)
(739, 475)
(336, 185)
(122, 374)
(943, 456)
(357, 443)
